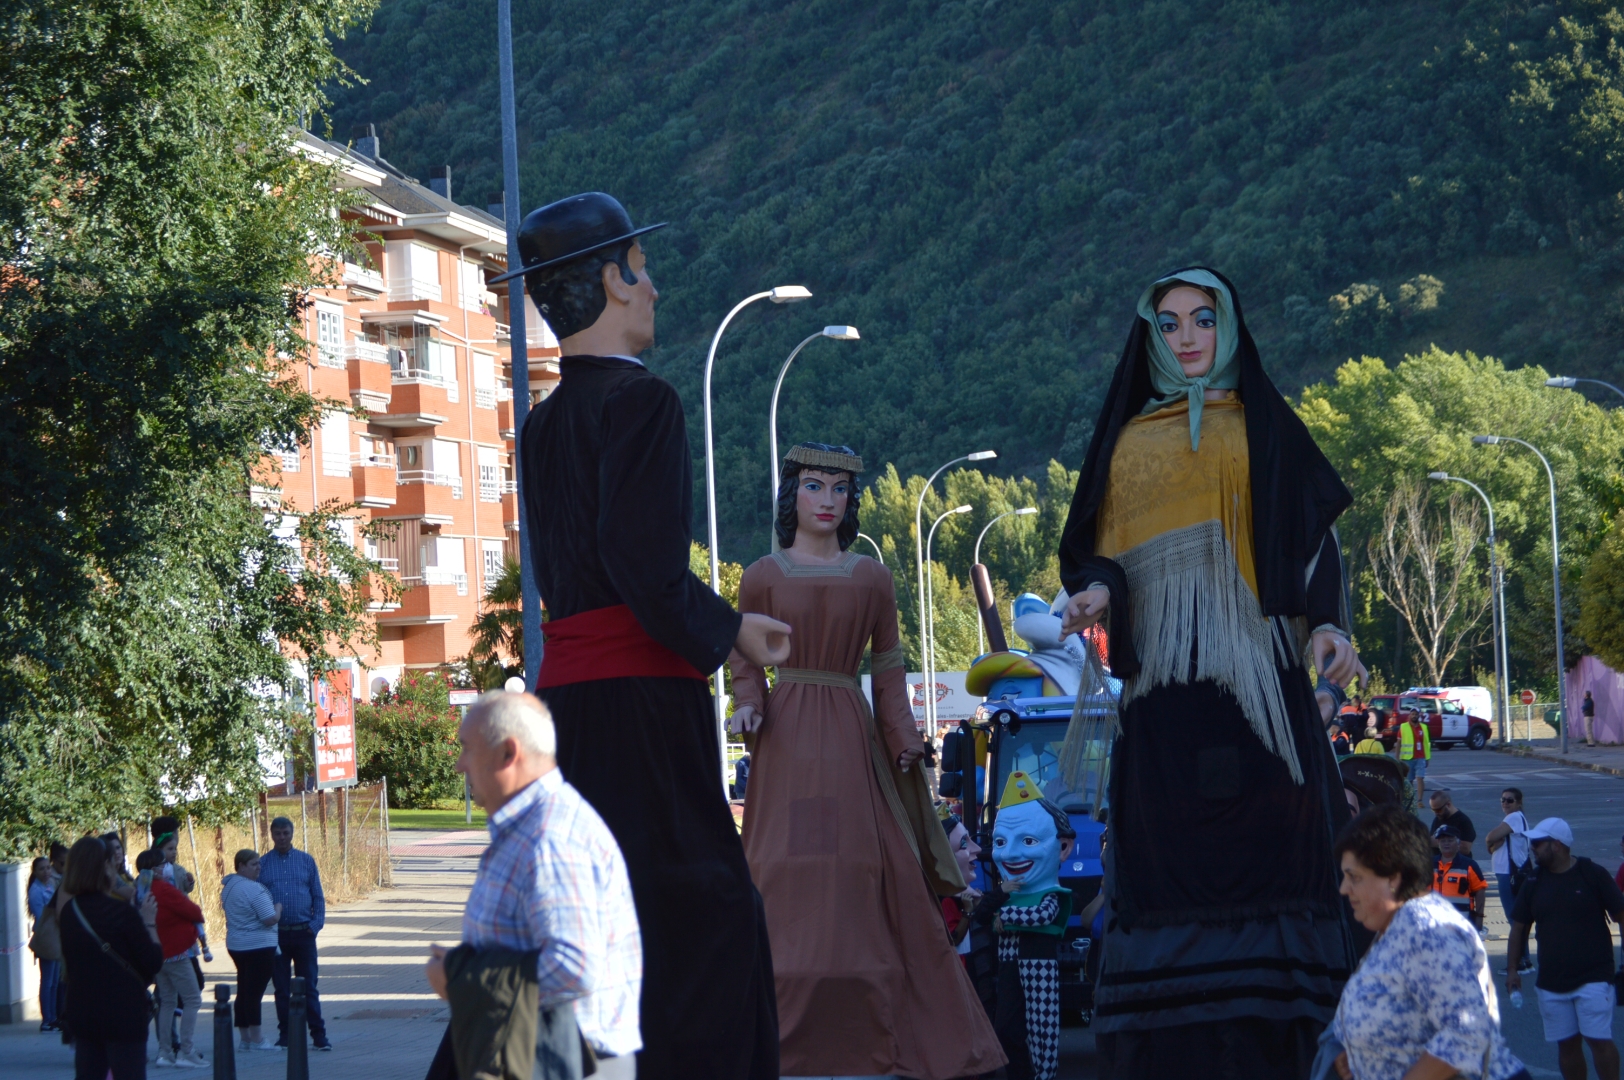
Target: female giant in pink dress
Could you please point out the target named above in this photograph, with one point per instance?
(838, 827)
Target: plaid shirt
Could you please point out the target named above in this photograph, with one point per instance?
(553, 879)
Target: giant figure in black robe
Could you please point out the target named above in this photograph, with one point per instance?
(608, 502)
(1226, 944)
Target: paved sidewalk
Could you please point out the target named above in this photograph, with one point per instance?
(383, 1020)
(1598, 758)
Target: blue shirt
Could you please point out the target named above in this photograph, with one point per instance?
(38, 896)
(295, 883)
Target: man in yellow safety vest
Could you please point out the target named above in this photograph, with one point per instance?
(1415, 749)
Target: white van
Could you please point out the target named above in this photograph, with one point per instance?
(1476, 700)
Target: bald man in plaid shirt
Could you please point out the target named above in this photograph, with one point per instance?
(552, 880)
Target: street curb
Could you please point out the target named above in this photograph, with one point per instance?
(1523, 751)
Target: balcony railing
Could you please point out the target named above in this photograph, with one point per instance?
(335, 465)
(412, 289)
(369, 460)
(363, 276)
(493, 490)
(433, 575)
(485, 397)
(290, 460)
(327, 356)
(391, 566)
(416, 364)
(367, 350)
(504, 332)
(424, 476)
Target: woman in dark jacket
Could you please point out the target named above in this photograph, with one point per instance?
(108, 1011)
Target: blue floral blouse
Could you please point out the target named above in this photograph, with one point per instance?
(1424, 987)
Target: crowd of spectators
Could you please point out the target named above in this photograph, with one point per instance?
(103, 937)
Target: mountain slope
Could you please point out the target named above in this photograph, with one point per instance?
(985, 188)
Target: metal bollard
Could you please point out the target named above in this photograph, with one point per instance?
(225, 1059)
(298, 1038)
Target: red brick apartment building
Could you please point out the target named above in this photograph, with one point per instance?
(414, 337)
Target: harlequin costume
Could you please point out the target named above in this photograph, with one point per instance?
(1210, 521)
(1033, 927)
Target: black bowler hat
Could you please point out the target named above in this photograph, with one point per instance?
(570, 228)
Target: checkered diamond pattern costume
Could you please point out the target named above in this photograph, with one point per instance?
(1040, 985)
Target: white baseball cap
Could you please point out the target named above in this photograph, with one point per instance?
(1552, 828)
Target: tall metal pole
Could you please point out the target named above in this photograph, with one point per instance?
(839, 333)
(518, 340)
(1556, 578)
(927, 693)
(1496, 609)
(929, 674)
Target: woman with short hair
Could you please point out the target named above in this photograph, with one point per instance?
(251, 918)
(110, 955)
(45, 941)
(1420, 1006)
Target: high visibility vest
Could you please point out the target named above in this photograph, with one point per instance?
(1406, 735)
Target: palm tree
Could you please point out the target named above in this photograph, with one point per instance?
(498, 631)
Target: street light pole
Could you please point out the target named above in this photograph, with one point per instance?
(518, 339)
(783, 294)
(1562, 382)
(878, 554)
(981, 641)
(1497, 607)
(838, 333)
(1556, 577)
(919, 563)
(928, 676)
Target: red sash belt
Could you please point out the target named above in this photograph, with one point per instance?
(606, 643)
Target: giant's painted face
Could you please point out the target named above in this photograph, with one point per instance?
(1027, 848)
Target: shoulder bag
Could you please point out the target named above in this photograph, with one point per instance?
(107, 950)
(46, 941)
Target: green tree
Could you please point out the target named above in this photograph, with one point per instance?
(155, 249)
(409, 736)
(1602, 599)
(498, 632)
(1384, 426)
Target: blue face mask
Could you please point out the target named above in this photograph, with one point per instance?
(1026, 846)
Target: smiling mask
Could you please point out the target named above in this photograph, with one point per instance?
(1026, 843)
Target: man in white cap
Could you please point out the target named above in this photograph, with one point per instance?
(1571, 899)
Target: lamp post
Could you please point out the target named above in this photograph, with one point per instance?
(1024, 511)
(1563, 382)
(919, 562)
(877, 553)
(518, 338)
(928, 675)
(1556, 576)
(1497, 607)
(836, 333)
(783, 294)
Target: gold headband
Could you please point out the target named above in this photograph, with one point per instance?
(825, 459)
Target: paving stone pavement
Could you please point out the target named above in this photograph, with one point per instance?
(383, 1020)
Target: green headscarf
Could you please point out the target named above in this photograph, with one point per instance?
(1167, 375)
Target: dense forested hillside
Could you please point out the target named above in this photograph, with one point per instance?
(983, 188)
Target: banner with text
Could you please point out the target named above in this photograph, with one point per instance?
(335, 731)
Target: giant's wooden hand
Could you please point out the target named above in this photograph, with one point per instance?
(1084, 610)
(762, 640)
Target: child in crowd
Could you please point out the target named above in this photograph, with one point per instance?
(178, 990)
(1456, 877)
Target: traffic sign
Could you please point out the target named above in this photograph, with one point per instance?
(1526, 697)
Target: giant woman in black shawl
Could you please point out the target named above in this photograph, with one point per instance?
(1201, 529)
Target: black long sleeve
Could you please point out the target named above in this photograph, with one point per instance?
(1325, 592)
(644, 488)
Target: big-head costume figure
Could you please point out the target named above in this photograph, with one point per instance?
(608, 502)
(1030, 838)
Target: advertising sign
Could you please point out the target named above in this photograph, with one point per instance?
(335, 731)
(953, 702)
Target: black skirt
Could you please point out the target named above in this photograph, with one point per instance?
(1226, 943)
(644, 753)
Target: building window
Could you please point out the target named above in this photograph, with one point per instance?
(329, 336)
(494, 557)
